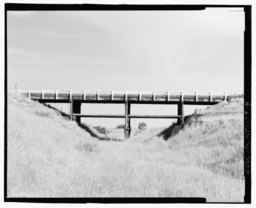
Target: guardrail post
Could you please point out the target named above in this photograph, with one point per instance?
(210, 97)
(112, 95)
(126, 95)
(225, 96)
(84, 95)
(70, 94)
(196, 97)
(42, 97)
(127, 128)
(181, 97)
(29, 94)
(97, 95)
(167, 96)
(181, 113)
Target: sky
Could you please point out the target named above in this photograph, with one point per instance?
(175, 51)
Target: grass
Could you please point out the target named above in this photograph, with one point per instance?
(213, 139)
(50, 156)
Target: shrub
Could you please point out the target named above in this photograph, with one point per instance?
(120, 126)
(100, 129)
(142, 126)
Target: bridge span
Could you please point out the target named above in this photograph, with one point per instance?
(76, 98)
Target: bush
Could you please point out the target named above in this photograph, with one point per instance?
(120, 126)
(142, 126)
(100, 129)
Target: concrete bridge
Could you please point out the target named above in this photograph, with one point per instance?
(76, 98)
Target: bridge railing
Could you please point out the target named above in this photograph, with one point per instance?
(83, 95)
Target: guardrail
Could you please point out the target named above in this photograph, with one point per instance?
(139, 96)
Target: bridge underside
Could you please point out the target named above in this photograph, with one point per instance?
(131, 102)
(75, 114)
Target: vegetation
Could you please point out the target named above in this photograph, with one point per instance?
(142, 126)
(100, 129)
(213, 139)
(120, 126)
(49, 156)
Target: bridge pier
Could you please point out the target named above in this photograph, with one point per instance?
(75, 107)
(181, 113)
(127, 127)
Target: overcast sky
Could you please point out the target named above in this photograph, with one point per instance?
(172, 51)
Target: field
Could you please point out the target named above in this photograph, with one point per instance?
(50, 156)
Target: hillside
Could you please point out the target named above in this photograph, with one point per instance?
(214, 139)
(50, 156)
(211, 138)
(41, 146)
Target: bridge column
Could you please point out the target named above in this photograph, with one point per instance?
(127, 128)
(181, 113)
(71, 110)
(76, 109)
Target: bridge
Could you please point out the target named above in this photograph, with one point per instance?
(76, 98)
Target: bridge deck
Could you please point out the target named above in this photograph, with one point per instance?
(121, 97)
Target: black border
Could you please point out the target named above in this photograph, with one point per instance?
(247, 99)
(247, 103)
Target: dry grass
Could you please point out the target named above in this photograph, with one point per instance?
(213, 139)
(49, 156)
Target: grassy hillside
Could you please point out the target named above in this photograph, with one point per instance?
(213, 139)
(50, 156)
(43, 149)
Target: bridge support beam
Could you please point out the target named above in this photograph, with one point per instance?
(75, 107)
(127, 127)
(181, 113)
(71, 110)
